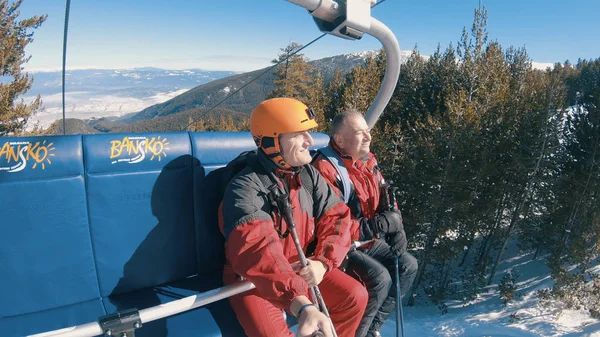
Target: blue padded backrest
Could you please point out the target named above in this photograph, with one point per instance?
(46, 257)
(141, 209)
(212, 150)
(320, 140)
(216, 149)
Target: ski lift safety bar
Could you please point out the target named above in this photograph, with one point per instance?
(159, 311)
(347, 19)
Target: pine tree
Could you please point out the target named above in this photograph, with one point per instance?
(363, 84)
(406, 105)
(440, 82)
(244, 125)
(451, 157)
(211, 124)
(316, 99)
(335, 95)
(226, 124)
(579, 187)
(293, 77)
(538, 230)
(195, 126)
(508, 286)
(15, 36)
(470, 50)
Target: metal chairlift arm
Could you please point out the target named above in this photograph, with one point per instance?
(350, 19)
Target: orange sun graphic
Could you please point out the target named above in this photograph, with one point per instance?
(162, 152)
(48, 153)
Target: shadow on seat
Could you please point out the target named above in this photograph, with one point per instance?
(159, 255)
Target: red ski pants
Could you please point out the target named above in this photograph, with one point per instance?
(345, 297)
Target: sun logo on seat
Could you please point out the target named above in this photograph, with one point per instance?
(158, 148)
(42, 154)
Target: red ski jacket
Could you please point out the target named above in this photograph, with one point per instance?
(258, 247)
(367, 179)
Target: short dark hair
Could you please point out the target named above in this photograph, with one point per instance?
(340, 120)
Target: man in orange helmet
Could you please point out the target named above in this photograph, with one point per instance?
(258, 247)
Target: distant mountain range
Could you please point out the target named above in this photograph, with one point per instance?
(126, 97)
(138, 82)
(112, 92)
(255, 89)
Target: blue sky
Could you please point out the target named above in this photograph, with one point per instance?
(243, 35)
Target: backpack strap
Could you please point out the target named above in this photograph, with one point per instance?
(267, 180)
(308, 182)
(336, 161)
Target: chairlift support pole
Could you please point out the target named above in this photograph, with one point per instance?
(349, 19)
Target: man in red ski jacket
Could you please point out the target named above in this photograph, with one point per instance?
(379, 232)
(258, 247)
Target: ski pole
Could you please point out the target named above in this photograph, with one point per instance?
(283, 203)
(391, 197)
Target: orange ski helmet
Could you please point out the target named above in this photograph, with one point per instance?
(276, 116)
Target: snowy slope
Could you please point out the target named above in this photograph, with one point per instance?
(488, 316)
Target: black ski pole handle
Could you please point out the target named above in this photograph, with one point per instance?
(393, 198)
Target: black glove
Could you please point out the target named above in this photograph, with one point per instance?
(381, 224)
(397, 242)
(388, 222)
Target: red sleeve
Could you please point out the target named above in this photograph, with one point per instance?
(253, 247)
(256, 253)
(333, 232)
(333, 223)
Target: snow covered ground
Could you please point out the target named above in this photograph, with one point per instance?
(488, 316)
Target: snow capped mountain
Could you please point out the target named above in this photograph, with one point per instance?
(404, 54)
(541, 65)
(120, 79)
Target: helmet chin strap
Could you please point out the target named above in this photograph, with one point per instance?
(270, 146)
(279, 161)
